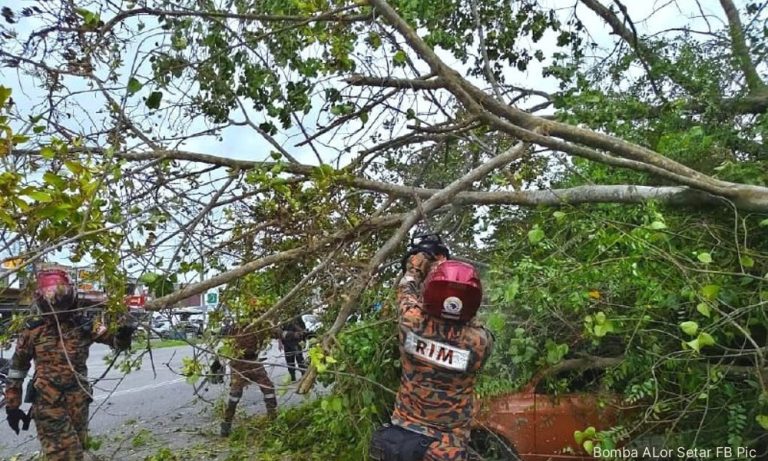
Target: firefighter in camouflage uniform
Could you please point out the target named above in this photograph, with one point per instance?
(59, 344)
(442, 347)
(246, 369)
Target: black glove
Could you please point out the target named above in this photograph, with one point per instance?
(14, 416)
(123, 337)
(217, 372)
(430, 244)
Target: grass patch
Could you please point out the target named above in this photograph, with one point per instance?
(159, 343)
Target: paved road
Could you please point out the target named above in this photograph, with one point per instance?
(152, 400)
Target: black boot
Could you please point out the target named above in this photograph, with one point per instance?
(229, 415)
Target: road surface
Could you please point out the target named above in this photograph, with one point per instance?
(149, 404)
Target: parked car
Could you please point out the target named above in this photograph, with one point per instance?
(531, 425)
(198, 323)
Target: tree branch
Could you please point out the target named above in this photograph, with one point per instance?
(402, 83)
(277, 258)
(533, 129)
(441, 198)
(739, 44)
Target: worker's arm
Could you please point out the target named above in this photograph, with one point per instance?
(417, 268)
(20, 363)
(120, 339)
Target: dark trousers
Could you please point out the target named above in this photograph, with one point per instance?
(294, 357)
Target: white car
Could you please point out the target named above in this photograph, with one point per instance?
(161, 327)
(200, 321)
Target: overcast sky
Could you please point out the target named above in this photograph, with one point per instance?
(242, 143)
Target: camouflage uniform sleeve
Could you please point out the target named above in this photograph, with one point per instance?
(20, 363)
(101, 334)
(409, 290)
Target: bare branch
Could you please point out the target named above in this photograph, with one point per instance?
(406, 84)
(739, 44)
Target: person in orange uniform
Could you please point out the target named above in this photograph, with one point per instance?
(59, 343)
(246, 368)
(442, 347)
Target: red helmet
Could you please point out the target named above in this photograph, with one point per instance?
(452, 291)
(54, 292)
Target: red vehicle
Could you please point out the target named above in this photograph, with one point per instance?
(530, 425)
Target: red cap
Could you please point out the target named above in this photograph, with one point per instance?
(453, 291)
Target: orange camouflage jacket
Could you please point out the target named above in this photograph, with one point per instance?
(439, 361)
(248, 341)
(60, 357)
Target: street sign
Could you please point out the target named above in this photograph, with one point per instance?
(212, 298)
(136, 301)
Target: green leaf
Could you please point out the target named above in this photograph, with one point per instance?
(74, 167)
(706, 258)
(705, 339)
(496, 322)
(589, 446)
(47, 153)
(710, 291)
(600, 318)
(90, 18)
(600, 330)
(7, 219)
(19, 139)
(535, 235)
(762, 420)
(153, 101)
(54, 180)
(747, 261)
(578, 436)
(690, 327)
(84, 13)
(5, 93)
(764, 223)
(608, 443)
(38, 129)
(375, 40)
(658, 225)
(399, 58)
(134, 86)
(178, 42)
(694, 345)
(704, 309)
(559, 215)
(40, 196)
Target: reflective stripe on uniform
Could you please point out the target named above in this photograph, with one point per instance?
(17, 374)
(437, 353)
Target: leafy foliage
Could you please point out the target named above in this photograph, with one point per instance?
(676, 295)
